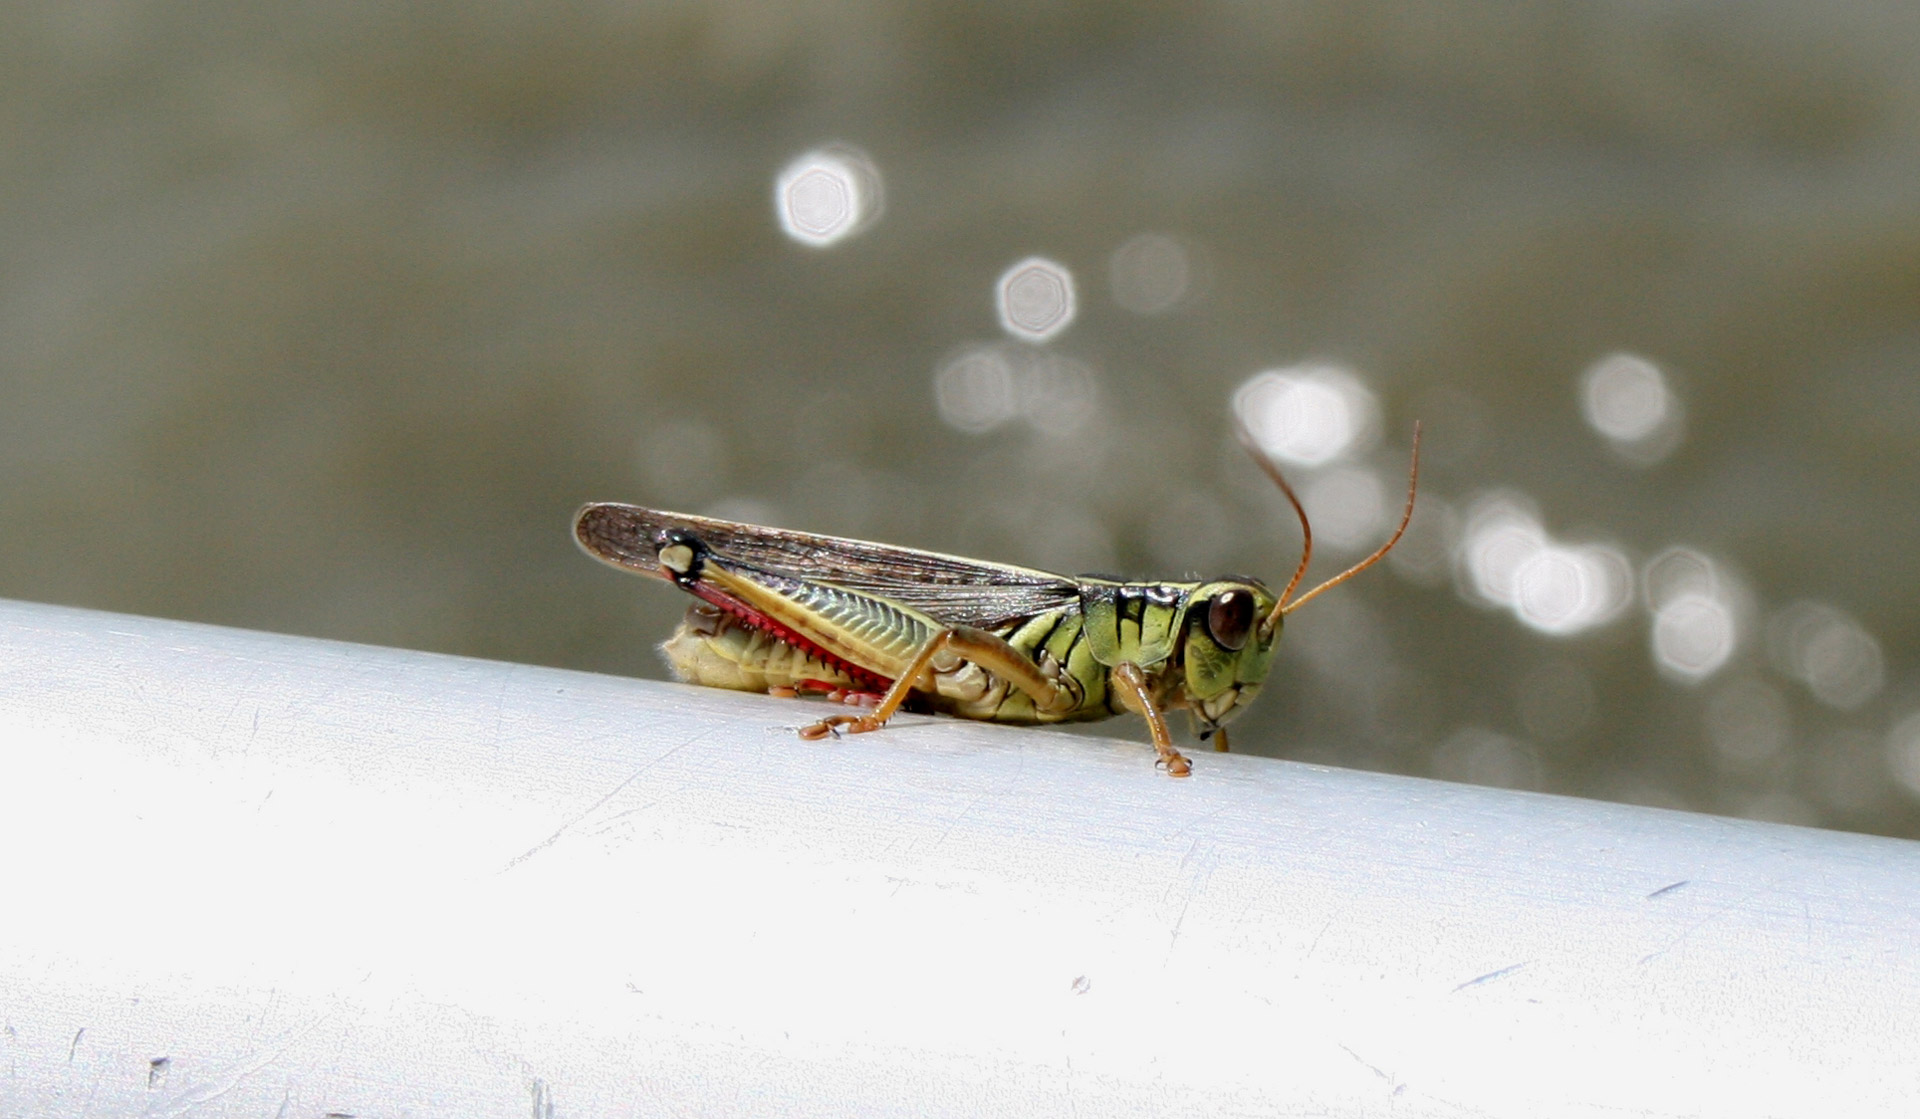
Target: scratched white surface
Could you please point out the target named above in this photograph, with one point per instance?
(253, 875)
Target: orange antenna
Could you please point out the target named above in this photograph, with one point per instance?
(1306, 530)
(1283, 606)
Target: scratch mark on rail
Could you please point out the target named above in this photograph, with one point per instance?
(1491, 976)
(596, 806)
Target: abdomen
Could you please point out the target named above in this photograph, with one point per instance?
(715, 650)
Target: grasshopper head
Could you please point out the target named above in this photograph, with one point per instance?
(1227, 648)
(1233, 624)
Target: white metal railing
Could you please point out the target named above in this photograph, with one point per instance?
(249, 874)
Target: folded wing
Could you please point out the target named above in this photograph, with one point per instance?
(951, 589)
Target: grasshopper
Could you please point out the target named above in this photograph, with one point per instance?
(881, 626)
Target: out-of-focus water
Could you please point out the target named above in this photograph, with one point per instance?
(325, 319)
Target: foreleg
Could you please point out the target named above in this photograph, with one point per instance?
(1138, 698)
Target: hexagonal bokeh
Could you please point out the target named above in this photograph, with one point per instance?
(1035, 299)
(828, 195)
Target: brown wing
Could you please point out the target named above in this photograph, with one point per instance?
(947, 588)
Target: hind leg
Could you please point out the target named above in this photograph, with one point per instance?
(968, 644)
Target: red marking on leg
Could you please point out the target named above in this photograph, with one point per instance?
(836, 693)
(754, 619)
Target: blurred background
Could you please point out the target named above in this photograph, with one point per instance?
(323, 319)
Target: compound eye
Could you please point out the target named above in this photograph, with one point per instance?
(1230, 618)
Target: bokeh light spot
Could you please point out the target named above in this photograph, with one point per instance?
(975, 390)
(1550, 590)
(1677, 571)
(985, 387)
(1560, 590)
(1626, 399)
(827, 195)
(1699, 613)
(1035, 299)
(1348, 508)
(1693, 636)
(1151, 274)
(1058, 395)
(1501, 534)
(1507, 559)
(1824, 648)
(1308, 415)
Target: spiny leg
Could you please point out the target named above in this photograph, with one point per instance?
(1135, 695)
(969, 644)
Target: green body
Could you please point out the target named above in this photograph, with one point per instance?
(782, 609)
(1150, 625)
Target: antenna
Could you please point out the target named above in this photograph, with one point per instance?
(1272, 470)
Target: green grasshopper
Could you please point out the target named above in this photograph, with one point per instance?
(871, 624)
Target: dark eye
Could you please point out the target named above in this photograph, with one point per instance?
(1230, 618)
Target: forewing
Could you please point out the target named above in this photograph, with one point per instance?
(947, 588)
